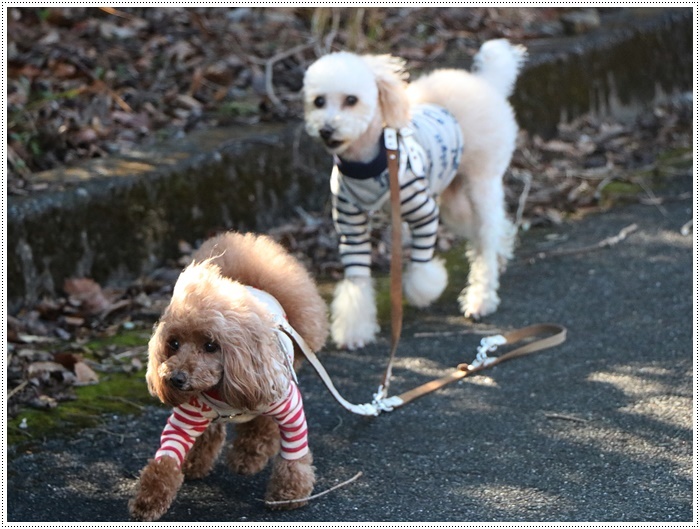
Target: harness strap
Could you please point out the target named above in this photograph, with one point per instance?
(358, 409)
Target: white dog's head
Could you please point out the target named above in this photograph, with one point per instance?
(348, 95)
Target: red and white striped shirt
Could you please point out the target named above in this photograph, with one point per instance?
(189, 420)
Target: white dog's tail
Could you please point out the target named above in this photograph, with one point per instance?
(498, 61)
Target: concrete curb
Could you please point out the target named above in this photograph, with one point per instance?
(120, 217)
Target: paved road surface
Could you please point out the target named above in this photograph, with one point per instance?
(598, 429)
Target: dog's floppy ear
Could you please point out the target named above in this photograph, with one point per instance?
(252, 363)
(156, 355)
(391, 78)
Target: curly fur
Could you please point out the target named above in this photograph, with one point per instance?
(353, 301)
(260, 262)
(299, 472)
(204, 453)
(473, 205)
(212, 308)
(256, 442)
(158, 484)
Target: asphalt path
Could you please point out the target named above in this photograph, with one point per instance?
(597, 429)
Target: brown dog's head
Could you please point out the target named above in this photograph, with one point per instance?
(215, 336)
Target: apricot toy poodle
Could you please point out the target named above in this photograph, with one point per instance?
(223, 351)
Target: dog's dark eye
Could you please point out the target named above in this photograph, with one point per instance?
(320, 102)
(173, 345)
(211, 347)
(350, 101)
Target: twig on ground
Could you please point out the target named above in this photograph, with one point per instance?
(19, 430)
(340, 423)
(526, 178)
(116, 13)
(605, 243)
(335, 24)
(122, 399)
(562, 417)
(314, 496)
(652, 197)
(430, 334)
(121, 436)
(648, 201)
(269, 65)
(601, 185)
(17, 389)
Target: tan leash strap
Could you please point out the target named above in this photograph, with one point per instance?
(557, 336)
(483, 361)
(392, 153)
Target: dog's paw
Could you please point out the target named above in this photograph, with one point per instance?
(352, 345)
(158, 485)
(354, 313)
(290, 482)
(424, 282)
(475, 303)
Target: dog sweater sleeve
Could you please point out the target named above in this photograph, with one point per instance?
(352, 226)
(420, 211)
(187, 422)
(289, 416)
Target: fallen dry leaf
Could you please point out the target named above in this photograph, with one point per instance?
(88, 294)
(84, 374)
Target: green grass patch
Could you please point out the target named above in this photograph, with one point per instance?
(238, 109)
(124, 339)
(117, 393)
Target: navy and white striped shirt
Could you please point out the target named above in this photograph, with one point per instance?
(430, 150)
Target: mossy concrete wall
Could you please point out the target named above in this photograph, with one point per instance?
(638, 56)
(120, 217)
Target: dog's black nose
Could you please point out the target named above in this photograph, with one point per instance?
(326, 132)
(178, 379)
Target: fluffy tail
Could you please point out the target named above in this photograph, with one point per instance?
(498, 61)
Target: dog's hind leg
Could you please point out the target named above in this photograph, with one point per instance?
(255, 443)
(477, 211)
(205, 451)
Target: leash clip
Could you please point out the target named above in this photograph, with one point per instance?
(391, 140)
(381, 402)
(487, 345)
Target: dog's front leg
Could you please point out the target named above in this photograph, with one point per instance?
(291, 480)
(354, 313)
(158, 485)
(425, 278)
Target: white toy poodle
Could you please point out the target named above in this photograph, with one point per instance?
(457, 134)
